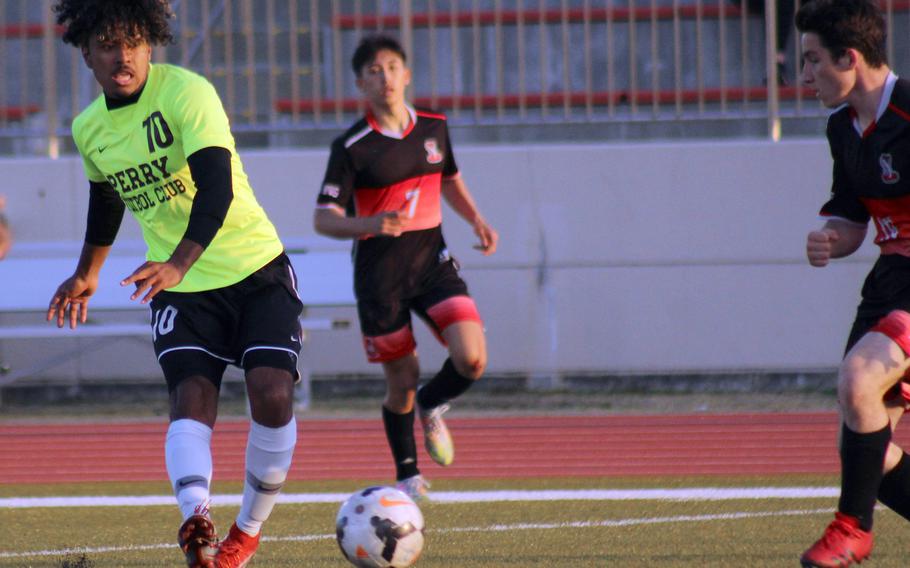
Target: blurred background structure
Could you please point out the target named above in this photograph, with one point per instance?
(651, 168)
(502, 69)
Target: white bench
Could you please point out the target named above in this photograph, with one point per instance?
(30, 275)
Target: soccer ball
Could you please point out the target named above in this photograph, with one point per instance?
(380, 527)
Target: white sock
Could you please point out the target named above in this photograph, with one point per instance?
(268, 459)
(188, 455)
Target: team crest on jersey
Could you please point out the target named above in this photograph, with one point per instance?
(889, 174)
(434, 156)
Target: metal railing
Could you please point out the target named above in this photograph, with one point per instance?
(282, 65)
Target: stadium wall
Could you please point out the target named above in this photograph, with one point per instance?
(648, 258)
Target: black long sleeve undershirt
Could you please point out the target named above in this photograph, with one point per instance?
(211, 171)
(105, 213)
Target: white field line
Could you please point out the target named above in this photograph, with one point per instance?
(682, 494)
(490, 528)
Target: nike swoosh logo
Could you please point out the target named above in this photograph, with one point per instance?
(101, 149)
(386, 502)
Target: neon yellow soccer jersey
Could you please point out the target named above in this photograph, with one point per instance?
(141, 150)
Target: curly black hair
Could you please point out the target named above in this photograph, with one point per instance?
(117, 19)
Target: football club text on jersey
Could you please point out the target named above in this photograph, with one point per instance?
(142, 176)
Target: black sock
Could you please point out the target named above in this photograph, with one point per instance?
(399, 431)
(446, 385)
(895, 488)
(862, 458)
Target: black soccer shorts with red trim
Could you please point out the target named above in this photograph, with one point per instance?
(386, 322)
(253, 323)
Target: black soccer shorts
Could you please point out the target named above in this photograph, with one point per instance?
(253, 323)
(386, 322)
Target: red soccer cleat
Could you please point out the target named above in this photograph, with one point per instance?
(237, 549)
(198, 541)
(842, 545)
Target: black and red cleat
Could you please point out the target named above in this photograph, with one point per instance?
(842, 545)
(198, 541)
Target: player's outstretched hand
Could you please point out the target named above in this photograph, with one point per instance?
(70, 301)
(153, 277)
(488, 236)
(819, 245)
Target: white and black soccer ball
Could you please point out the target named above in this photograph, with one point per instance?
(380, 527)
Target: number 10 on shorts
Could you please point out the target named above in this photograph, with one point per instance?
(163, 321)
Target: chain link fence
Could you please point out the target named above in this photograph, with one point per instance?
(504, 70)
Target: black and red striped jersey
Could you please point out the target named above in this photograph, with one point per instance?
(371, 171)
(871, 177)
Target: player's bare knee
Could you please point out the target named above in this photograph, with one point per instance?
(271, 398)
(278, 397)
(856, 388)
(470, 367)
(271, 407)
(195, 398)
(399, 400)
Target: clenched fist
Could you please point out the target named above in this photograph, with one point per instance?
(819, 245)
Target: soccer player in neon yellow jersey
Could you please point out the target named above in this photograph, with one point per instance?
(220, 288)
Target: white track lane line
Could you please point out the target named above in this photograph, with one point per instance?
(681, 494)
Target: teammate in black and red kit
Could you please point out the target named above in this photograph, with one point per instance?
(844, 60)
(382, 188)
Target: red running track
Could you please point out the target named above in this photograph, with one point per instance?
(488, 447)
